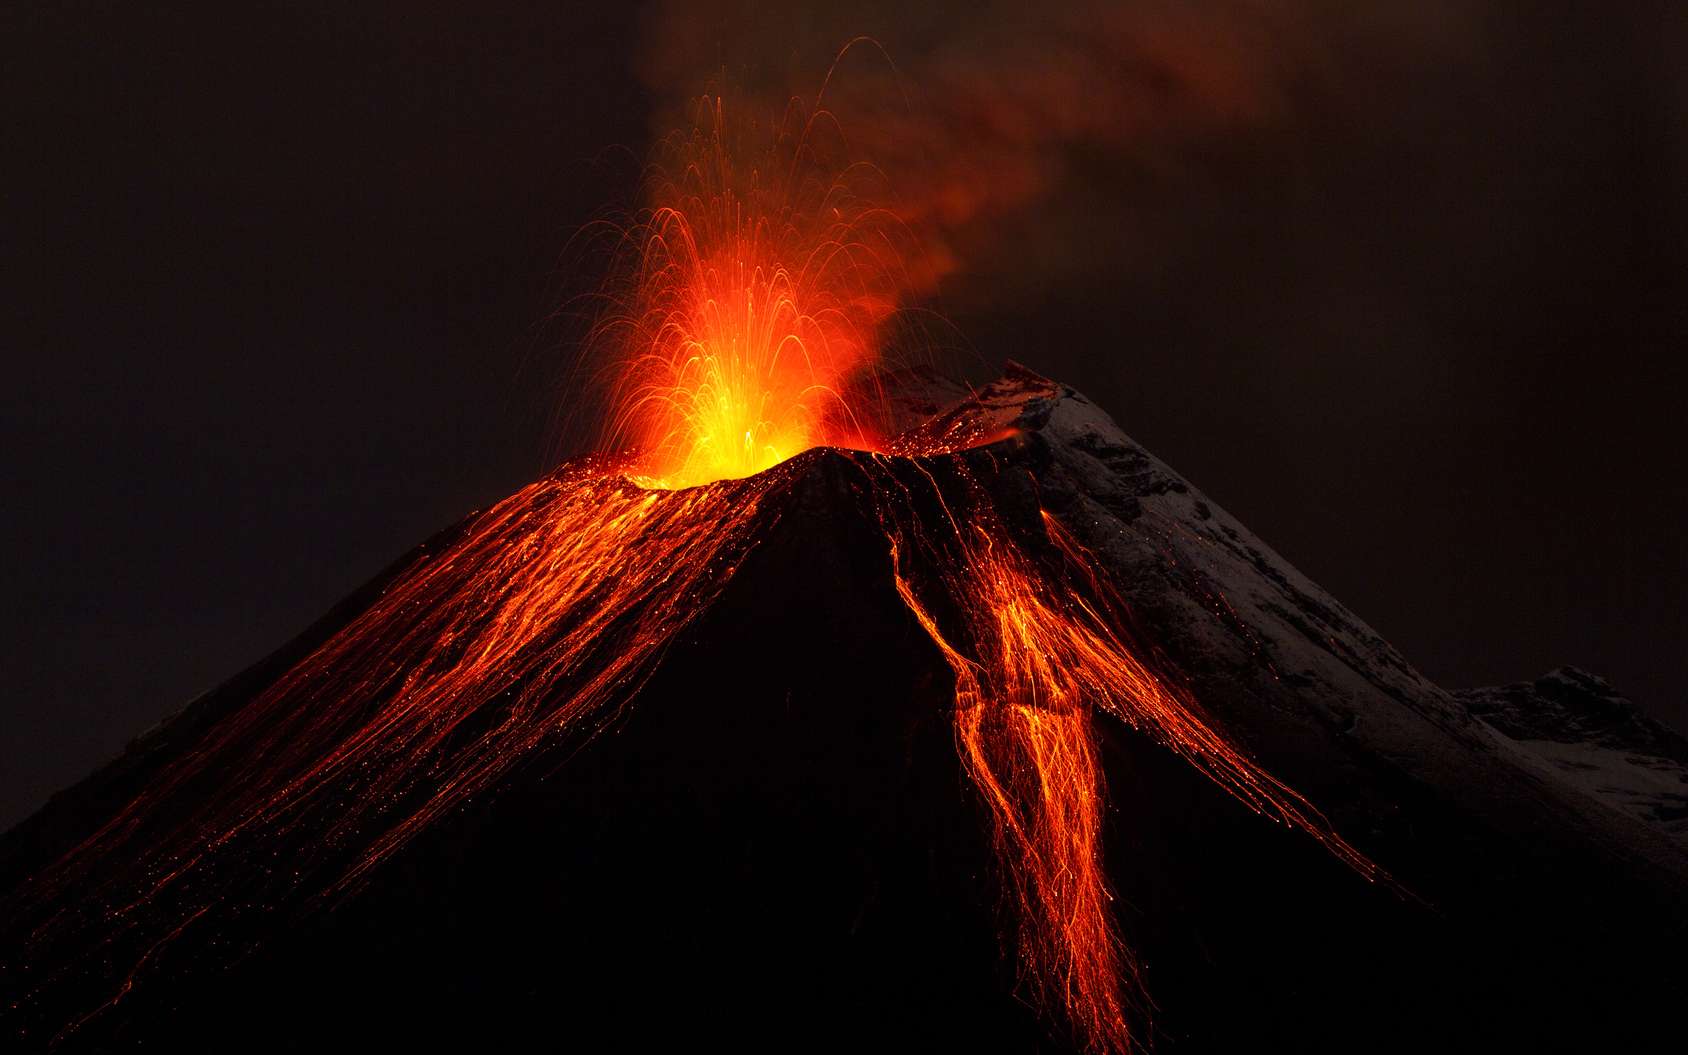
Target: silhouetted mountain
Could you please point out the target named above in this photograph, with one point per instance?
(1583, 733)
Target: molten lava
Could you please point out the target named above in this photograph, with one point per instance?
(1038, 647)
(759, 287)
(758, 299)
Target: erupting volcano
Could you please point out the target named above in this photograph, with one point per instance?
(758, 287)
(795, 556)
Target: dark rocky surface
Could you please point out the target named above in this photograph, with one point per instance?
(1580, 730)
(1572, 706)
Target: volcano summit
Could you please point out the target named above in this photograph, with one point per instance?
(986, 739)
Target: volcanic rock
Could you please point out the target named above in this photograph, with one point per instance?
(1577, 729)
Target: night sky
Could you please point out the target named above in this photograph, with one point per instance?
(1405, 290)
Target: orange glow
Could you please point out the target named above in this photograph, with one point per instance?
(1034, 762)
(537, 621)
(759, 287)
(1036, 649)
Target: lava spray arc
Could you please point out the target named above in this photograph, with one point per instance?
(756, 301)
(751, 301)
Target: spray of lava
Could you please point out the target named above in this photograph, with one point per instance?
(757, 296)
(760, 282)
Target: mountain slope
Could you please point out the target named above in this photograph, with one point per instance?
(1576, 728)
(771, 842)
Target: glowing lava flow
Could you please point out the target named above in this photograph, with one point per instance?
(1036, 648)
(537, 621)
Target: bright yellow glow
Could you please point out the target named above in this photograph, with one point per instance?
(757, 291)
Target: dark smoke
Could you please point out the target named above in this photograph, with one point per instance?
(995, 122)
(1415, 264)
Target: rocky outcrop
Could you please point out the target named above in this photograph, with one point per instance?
(1575, 727)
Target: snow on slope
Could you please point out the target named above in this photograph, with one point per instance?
(1575, 727)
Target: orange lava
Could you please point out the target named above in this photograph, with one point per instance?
(537, 621)
(1038, 647)
(759, 286)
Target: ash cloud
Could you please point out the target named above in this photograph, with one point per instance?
(1013, 133)
(1333, 259)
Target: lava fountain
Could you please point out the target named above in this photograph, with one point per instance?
(753, 302)
(757, 290)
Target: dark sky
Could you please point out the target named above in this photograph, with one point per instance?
(1406, 291)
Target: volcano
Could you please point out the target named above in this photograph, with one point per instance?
(613, 767)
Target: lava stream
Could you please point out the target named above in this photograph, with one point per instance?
(1037, 647)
